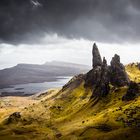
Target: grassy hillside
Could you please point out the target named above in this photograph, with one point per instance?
(70, 114)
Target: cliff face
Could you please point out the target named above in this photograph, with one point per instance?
(102, 75)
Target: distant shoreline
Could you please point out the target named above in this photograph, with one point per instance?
(39, 81)
(20, 94)
(29, 89)
(54, 79)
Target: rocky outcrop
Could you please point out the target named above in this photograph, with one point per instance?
(93, 76)
(118, 75)
(96, 61)
(97, 78)
(132, 92)
(101, 75)
(101, 86)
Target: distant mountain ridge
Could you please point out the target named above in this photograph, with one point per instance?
(62, 63)
(35, 73)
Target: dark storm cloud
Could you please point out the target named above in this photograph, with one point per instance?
(100, 20)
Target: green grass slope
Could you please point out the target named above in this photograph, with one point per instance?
(70, 114)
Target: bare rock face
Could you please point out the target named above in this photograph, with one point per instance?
(118, 75)
(96, 61)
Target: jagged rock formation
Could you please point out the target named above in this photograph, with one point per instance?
(101, 74)
(101, 87)
(97, 78)
(132, 92)
(118, 75)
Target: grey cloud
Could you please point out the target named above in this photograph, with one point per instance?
(99, 20)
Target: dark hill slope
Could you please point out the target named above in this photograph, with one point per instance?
(30, 73)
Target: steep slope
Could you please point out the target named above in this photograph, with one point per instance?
(71, 113)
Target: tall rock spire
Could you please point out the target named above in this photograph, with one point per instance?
(97, 78)
(96, 61)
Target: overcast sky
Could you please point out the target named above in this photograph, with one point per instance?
(36, 31)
